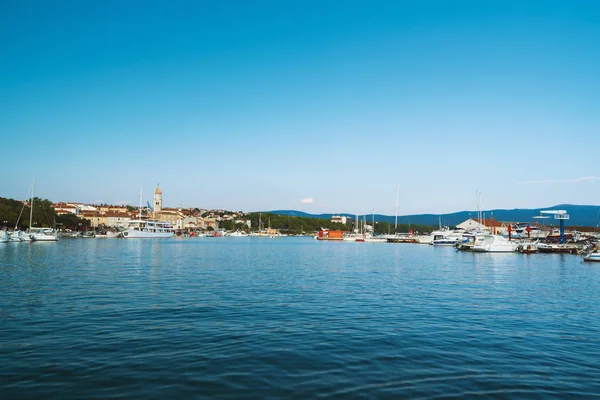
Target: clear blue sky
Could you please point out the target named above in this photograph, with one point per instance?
(256, 105)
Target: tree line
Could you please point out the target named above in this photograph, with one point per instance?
(16, 213)
(298, 225)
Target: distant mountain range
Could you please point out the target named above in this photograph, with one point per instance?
(580, 216)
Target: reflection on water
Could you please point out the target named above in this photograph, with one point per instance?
(293, 317)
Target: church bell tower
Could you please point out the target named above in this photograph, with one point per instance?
(157, 199)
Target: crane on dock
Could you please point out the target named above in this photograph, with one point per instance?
(561, 216)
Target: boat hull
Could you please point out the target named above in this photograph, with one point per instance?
(595, 257)
(44, 236)
(133, 234)
(557, 248)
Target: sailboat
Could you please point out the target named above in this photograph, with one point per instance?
(18, 235)
(40, 234)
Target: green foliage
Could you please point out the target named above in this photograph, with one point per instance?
(383, 228)
(292, 225)
(230, 226)
(9, 212)
(43, 213)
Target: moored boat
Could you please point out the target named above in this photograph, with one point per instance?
(494, 244)
(18, 236)
(557, 248)
(43, 234)
(238, 234)
(592, 257)
(527, 248)
(148, 229)
(375, 239)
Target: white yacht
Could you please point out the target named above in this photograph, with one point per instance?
(4, 237)
(18, 236)
(238, 234)
(141, 228)
(43, 234)
(520, 231)
(494, 244)
(449, 237)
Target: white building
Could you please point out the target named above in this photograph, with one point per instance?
(487, 225)
(471, 225)
(339, 219)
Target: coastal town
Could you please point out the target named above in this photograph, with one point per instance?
(181, 219)
(479, 234)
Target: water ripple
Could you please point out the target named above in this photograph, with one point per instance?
(294, 318)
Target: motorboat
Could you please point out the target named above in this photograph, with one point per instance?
(494, 244)
(466, 245)
(523, 231)
(527, 248)
(4, 237)
(592, 257)
(450, 237)
(557, 248)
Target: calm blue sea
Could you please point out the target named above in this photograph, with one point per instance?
(293, 318)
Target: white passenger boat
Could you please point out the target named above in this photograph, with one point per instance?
(494, 244)
(4, 237)
(148, 229)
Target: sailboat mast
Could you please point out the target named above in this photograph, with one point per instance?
(477, 195)
(140, 214)
(31, 205)
(397, 196)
